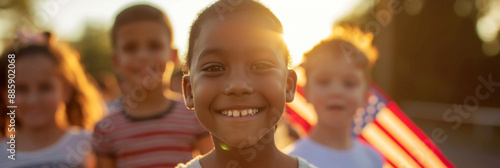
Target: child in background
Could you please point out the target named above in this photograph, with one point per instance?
(338, 75)
(150, 129)
(238, 82)
(55, 104)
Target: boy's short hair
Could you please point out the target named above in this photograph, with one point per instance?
(354, 45)
(223, 8)
(138, 13)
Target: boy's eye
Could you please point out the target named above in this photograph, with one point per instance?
(45, 87)
(260, 66)
(213, 68)
(350, 83)
(323, 81)
(21, 89)
(130, 47)
(155, 45)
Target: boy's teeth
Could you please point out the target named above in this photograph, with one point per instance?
(236, 113)
(240, 113)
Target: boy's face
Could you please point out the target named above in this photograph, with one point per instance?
(238, 67)
(141, 52)
(336, 89)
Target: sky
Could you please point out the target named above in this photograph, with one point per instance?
(305, 22)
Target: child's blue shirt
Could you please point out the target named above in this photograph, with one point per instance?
(359, 156)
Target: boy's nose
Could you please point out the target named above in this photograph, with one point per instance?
(335, 90)
(142, 53)
(32, 98)
(143, 56)
(238, 86)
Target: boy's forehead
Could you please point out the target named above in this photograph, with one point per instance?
(245, 18)
(327, 61)
(139, 26)
(328, 56)
(332, 61)
(234, 33)
(238, 24)
(143, 29)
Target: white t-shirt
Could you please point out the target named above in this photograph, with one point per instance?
(195, 163)
(71, 150)
(359, 156)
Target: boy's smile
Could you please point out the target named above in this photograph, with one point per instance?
(240, 112)
(239, 81)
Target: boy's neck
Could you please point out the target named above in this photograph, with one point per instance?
(153, 103)
(338, 138)
(263, 154)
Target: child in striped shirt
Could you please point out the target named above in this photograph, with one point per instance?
(150, 129)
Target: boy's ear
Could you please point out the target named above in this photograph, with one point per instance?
(291, 85)
(187, 92)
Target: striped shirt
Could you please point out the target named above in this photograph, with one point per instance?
(162, 141)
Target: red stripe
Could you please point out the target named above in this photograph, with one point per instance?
(154, 149)
(122, 122)
(126, 125)
(391, 105)
(296, 118)
(415, 129)
(395, 110)
(151, 134)
(396, 141)
(300, 90)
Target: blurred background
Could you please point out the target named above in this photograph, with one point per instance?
(433, 55)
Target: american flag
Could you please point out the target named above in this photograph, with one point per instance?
(382, 124)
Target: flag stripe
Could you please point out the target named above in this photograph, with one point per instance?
(386, 147)
(386, 161)
(303, 109)
(393, 107)
(419, 133)
(298, 120)
(387, 165)
(409, 140)
(393, 139)
(392, 133)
